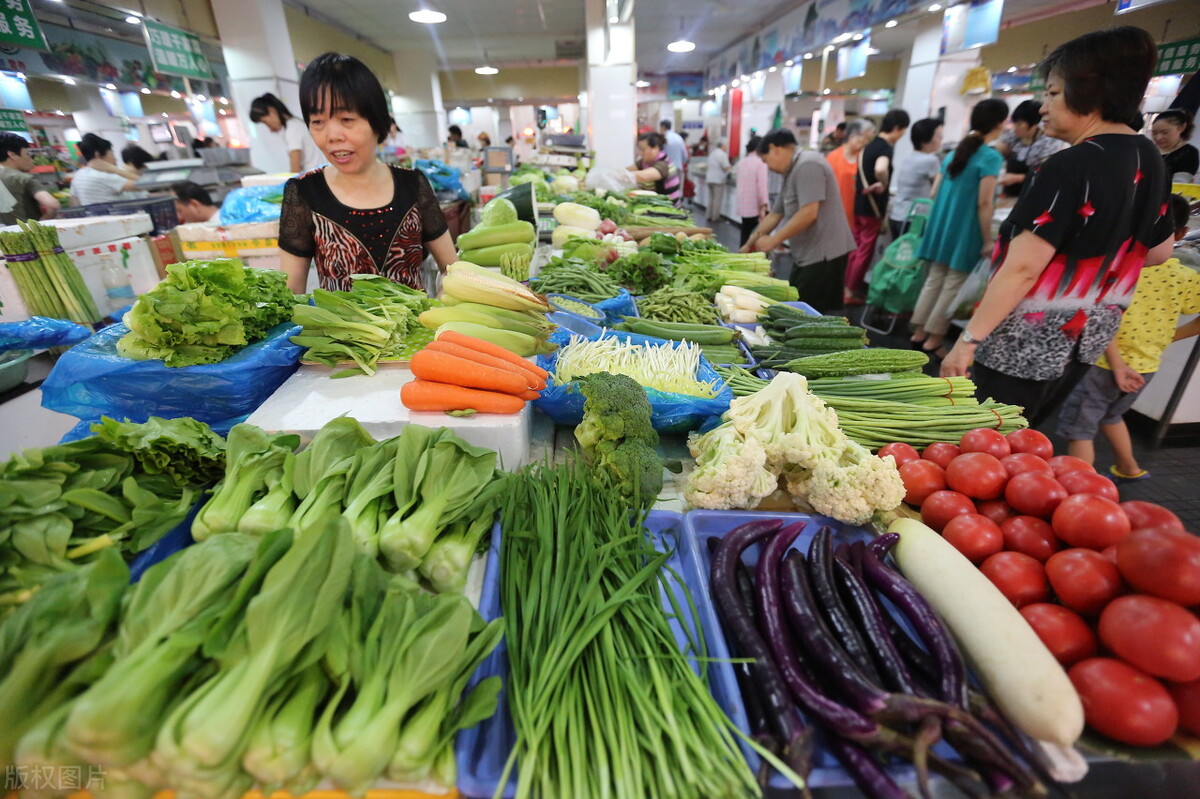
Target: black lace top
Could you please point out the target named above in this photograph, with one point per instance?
(344, 241)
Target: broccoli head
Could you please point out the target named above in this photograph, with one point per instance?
(617, 437)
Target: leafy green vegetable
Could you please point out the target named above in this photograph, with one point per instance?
(183, 449)
(498, 211)
(618, 439)
(254, 459)
(642, 272)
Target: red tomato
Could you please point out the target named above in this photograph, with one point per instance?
(984, 439)
(1153, 634)
(1064, 633)
(1148, 514)
(1162, 562)
(1124, 703)
(976, 474)
(1085, 581)
(921, 478)
(1024, 462)
(942, 506)
(1031, 441)
(1080, 482)
(1111, 552)
(1034, 493)
(1187, 700)
(941, 453)
(1086, 520)
(903, 453)
(1030, 536)
(977, 537)
(1019, 577)
(1067, 463)
(995, 509)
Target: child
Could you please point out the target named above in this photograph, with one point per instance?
(1109, 388)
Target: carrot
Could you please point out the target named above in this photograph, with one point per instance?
(426, 395)
(491, 349)
(441, 367)
(529, 395)
(532, 381)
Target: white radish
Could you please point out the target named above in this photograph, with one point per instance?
(1017, 670)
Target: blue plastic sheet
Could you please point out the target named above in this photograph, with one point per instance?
(41, 333)
(615, 307)
(91, 380)
(669, 413)
(442, 178)
(248, 205)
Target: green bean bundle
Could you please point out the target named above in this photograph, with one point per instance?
(670, 304)
(576, 280)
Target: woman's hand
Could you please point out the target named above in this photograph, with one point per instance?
(958, 360)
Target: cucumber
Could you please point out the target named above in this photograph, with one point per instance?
(826, 331)
(813, 345)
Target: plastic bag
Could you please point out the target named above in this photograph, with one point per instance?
(897, 279)
(610, 178)
(670, 413)
(971, 291)
(616, 307)
(91, 380)
(442, 178)
(40, 332)
(252, 204)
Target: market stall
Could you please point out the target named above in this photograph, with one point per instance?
(384, 541)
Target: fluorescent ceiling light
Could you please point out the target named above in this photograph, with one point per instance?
(825, 92)
(175, 94)
(69, 81)
(936, 7)
(427, 16)
(735, 83)
(1012, 69)
(858, 37)
(614, 20)
(132, 20)
(642, 84)
(223, 100)
(789, 63)
(771, 69)
(807, 56)
(891, 23)
(110, 86)
(486, 70)
(873, 51)
(145, 90)
(681, 46)
(843, 37)
(202, 98)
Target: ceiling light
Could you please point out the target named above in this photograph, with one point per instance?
(745, 79)
(858, 37)
(789, 62)
(758, 75)
(825, 92)
(176, 94)
(936, 7)
(111, 87)
(829, 48)
(1008, 88)
(807, 56)
(873, 51)
(223, 100)
(520, 99)
(427, 16)
(771, 69)
(201, 98)
(891, 23)
(681, 46)
(1012, 69)
(614, 20)
(20, 76)
(59, 112)
(69, 81)
(144, 90)
(489, 99)
(843, 37)
(222, 112)
(132, 20)
(164, 113)
(486, 70)
(642, 84)
(735, 83)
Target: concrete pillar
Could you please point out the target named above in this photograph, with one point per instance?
(258, 54)
(91, 116)
(612, 97)
(417, 106)
(915, 89)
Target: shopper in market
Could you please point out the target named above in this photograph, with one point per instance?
(752, 187)
(101, 180)
(834, 138)
(844, 160)
(1069, 254)
(1171, 131)
(654, 171)
(916, 174)
(33, 200)
(194, 205)
(455, 138)
(809, 216)
(1025, 147)
(959, 233)
(871, 184)
(303, 154)
(357, 215)
(674, 146)
(715, 178)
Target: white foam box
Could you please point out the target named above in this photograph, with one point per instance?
(312, 397)
(89, 231)
(256, 243)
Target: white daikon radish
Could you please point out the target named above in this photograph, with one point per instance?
(1017, 670)
(577, 215)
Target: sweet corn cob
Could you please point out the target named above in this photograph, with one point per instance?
(480, 315)
(469, 283)
(516, 343)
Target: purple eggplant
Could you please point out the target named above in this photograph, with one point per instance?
(892, 667)
(865, 770)
(837, 616)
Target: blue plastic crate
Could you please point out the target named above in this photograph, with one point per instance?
(481, 751)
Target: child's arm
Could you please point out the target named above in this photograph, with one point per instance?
(1128, 380)
(1187, 330)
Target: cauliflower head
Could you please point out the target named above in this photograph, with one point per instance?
(853, 488)
(731, 470)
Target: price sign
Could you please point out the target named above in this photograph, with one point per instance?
(18, 25)
(175, 52)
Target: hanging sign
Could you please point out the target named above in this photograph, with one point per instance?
(852, 59)
(175, 52)
(18, 26)
(1177, 58)
(13, 120)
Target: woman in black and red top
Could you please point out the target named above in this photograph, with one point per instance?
(1070, 252)
(357, 215)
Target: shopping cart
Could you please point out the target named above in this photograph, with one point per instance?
(897, 278)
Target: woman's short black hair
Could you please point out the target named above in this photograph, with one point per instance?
(136, 157)
(780, 137)
(264, 103)
(1104, 71)
(1029, 112)
(1180, 117)
(1180, 211)
(652, 139)
(752, 145)
(923, 131)
(187, 190)
(12, 144)
(93, 146)
(455, 130)
(343, 83)
(894, 119)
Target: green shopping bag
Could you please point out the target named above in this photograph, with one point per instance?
(897, 279)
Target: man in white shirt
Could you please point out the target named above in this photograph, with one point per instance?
(675, 148)
(715, 177)
(194, 205)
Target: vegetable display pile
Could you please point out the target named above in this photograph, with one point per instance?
(641, 272)
(120, 489)
(874, 361)
(785, 431)
(204, 312)
(821, 641)
(576, 307)
(603, 700)
(744, 305)
(677, 305)
(718, 343)
(564, 276)
(618, 440)
(500, 236)
(810, 335)
(420, 501)
(237, 662)
(460, 373)
(499, 310)
(49, 281)
(670, 367)
(375, 320)
(1107, 587)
